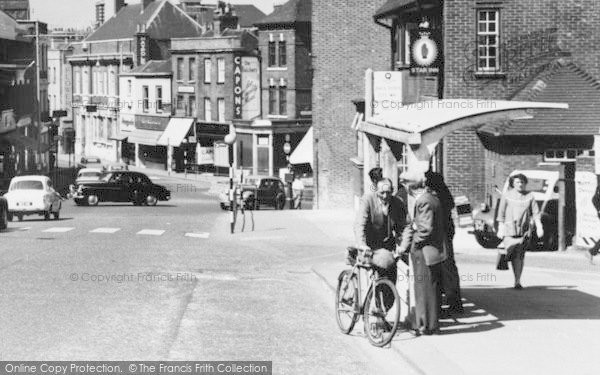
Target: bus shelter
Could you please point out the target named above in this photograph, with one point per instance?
(421, 126)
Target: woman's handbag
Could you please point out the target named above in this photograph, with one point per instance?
(530, 239)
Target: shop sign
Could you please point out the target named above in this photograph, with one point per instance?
(587, 208)
(206, 155)
(186, 89)
(151, 122)
(237, 87)
(387, 92)
(221, 154)
(250, 88)
(424, 52)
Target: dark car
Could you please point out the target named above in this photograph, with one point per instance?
(257, 191)
(121, 186)
(3, 213)
(90, 162)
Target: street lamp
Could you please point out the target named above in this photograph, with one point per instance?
(287, 149)
(230, 140)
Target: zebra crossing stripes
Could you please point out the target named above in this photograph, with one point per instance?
(105, 230)
(151, 232)
(198, 235)
(58, 230)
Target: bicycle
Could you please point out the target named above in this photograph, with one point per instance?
(381, 315)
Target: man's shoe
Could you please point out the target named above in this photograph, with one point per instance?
(518, 286)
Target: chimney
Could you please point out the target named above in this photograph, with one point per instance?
(277, 5)
(224, 18)
(145, 4)
(118, 5)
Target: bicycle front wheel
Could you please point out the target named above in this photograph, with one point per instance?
(346, 301)
(382, 312)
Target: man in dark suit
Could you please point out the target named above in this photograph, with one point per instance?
(379, 225)
(427, 252)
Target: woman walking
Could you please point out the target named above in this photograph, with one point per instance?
(517, 208)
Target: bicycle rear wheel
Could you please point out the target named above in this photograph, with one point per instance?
(346, 301)
(382, 312)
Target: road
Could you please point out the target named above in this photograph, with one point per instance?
(119, 282)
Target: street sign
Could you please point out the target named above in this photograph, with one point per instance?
(91, 108)
(59, 113)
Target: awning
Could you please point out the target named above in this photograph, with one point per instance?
(144, 137)
(303, 153)
(395, 6)
(119, 136)
(176, 131)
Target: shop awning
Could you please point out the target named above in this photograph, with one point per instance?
(119, 136)
(303, 154)
(144, 137)
(176, 131)
(396, 6)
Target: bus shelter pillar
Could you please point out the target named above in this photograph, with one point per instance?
(371, 149)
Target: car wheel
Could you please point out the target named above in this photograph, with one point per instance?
(151, 200)
(92, 200)
(47, 215)
(79, 202)
(3, 220)
(487, 240)
(9, 216)
(223, 207)
(56, 215)
(20, 217)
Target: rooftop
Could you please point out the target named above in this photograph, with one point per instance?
(289, 13)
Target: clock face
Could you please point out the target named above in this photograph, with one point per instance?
(424, 51)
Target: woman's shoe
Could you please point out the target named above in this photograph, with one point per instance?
(518, 286)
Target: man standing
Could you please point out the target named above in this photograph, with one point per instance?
(297, 191)
(427, 252)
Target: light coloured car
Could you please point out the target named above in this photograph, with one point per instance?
(32, 195)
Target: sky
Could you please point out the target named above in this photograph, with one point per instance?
(81, 13)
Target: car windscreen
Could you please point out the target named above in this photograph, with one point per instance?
(27, 185)
(89, 174)
(539, 185)
(251, 181)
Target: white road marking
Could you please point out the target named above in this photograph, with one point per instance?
(23, 228)
(198, 235)
(105, 230)
(58, 230)
(151, 232)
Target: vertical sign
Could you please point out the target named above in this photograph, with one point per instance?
(587, 198)
(250, 87)
(597, 153)
(237, 87)
(387, 92)
(142, 48)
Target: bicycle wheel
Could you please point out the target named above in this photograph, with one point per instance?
(382, 312)
(346, 301)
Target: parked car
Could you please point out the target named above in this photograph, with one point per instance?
(117, 167)
(86, 175)
(3, 213)
(257, 191)
(543, 184)
(90, 162)
(32, 195)
(122, 186)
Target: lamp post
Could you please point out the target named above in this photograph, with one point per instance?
(230, 140)
(287, 149)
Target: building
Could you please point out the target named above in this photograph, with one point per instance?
(19, 136)
(345, 42)
(60, 91)
(207, 72)
(286, 79)
(145, 111)
(17, 9)
(138, 33)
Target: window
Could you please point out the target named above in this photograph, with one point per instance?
(564, 155)
(53, 75)
(106, 84)
(129, 88)
(282, 100)
(207, 110)
(77, 82)
(191, 106)
(109, 128)
(159, 101)
(221, 109)
(192, 70)
(100, 90)
(145, 98)
(272, 54)
(111, 86)
(282, 53)
(488, 35)
(207, 70)
(221, 70)
(179, 103)
(272, 99)
(180, 68)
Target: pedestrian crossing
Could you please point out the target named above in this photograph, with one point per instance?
(112, 231)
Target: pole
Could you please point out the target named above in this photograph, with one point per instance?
(231, 192)
(562, 239)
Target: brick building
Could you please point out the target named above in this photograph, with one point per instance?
(345, 42)
(17, 9)
(137, 34)
(204, 81)
(285, 45)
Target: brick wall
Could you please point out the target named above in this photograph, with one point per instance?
(578, 25)
(346, 42)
